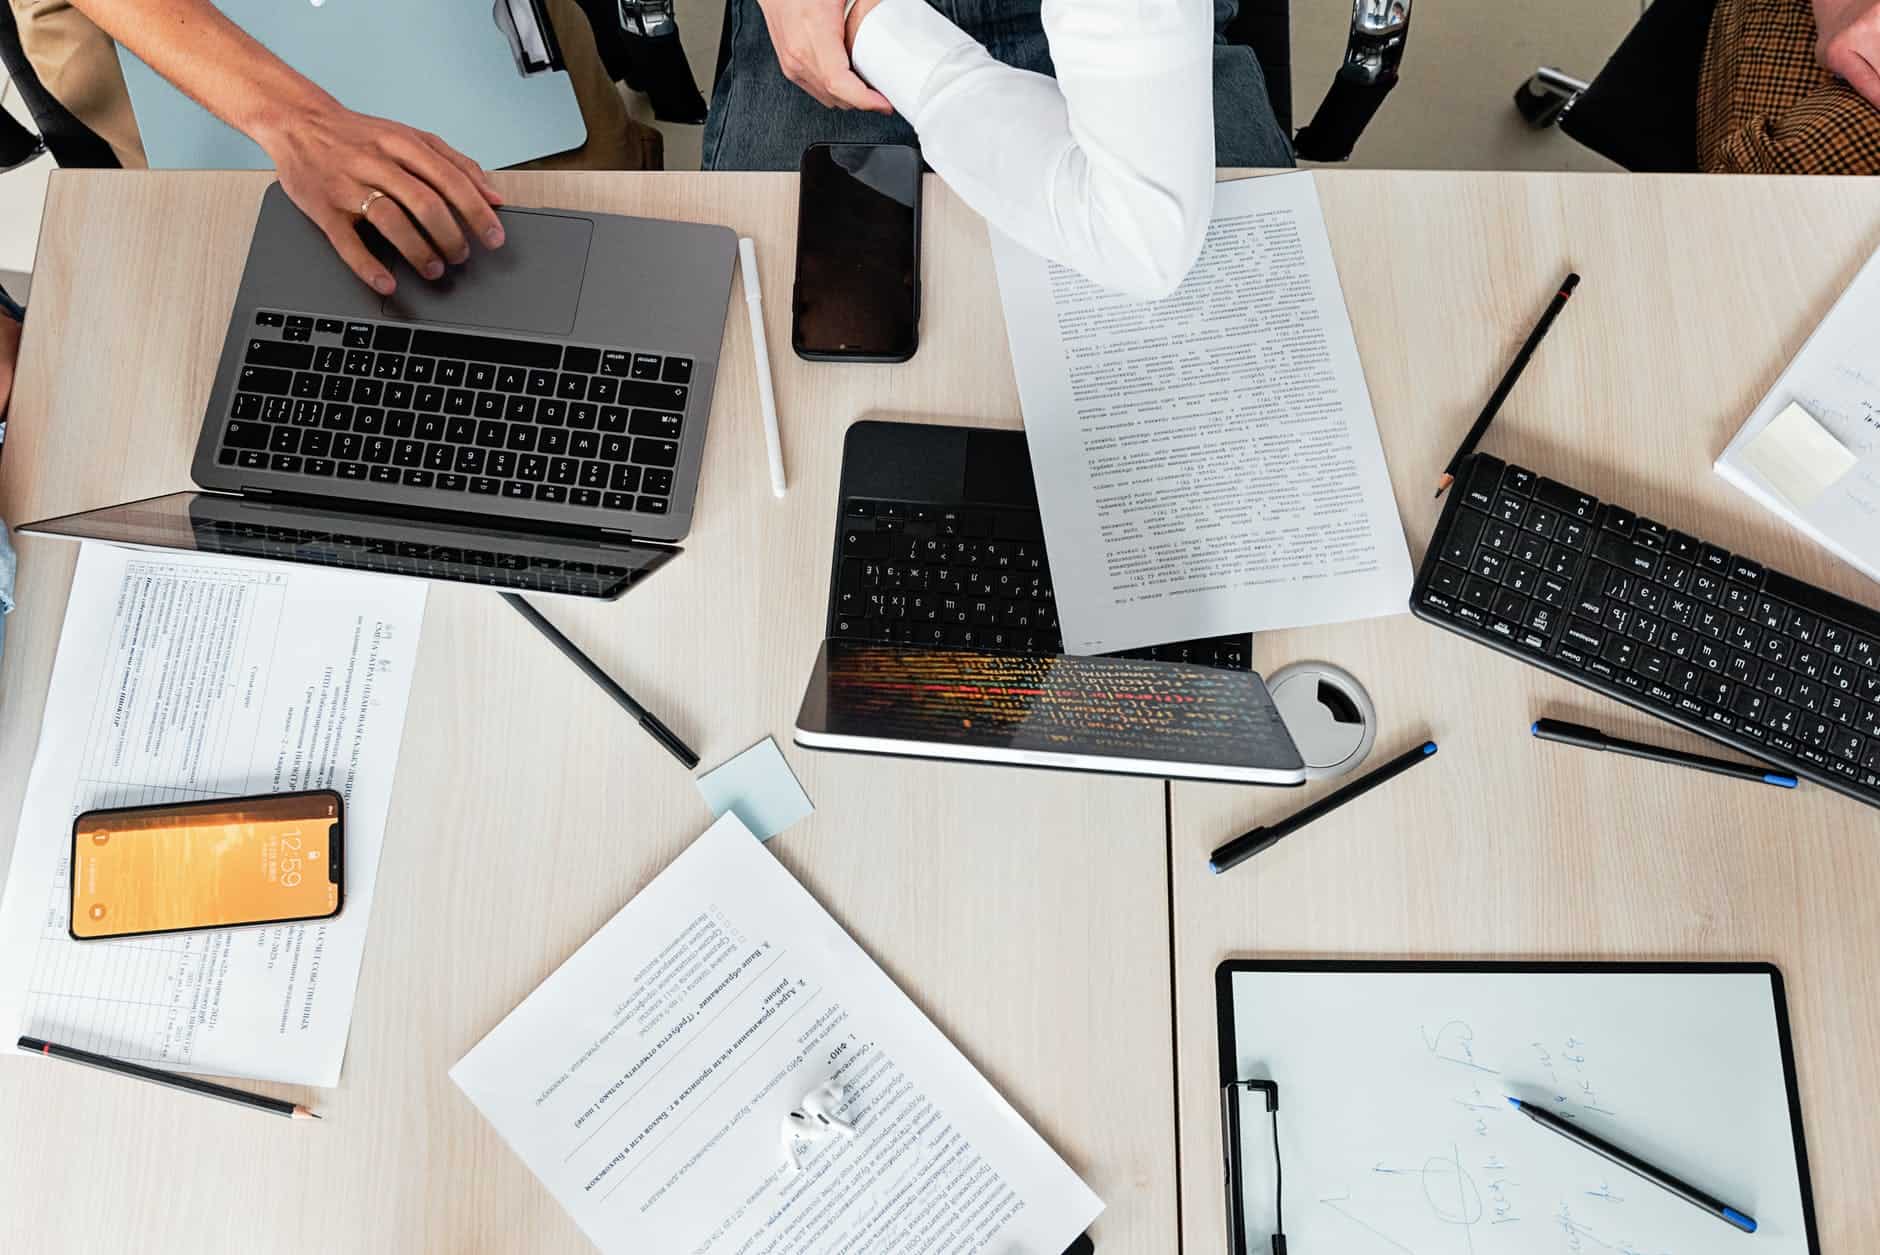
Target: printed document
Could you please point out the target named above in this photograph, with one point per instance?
(647, 1084)
(1810, 452)
(182, 678)
(1208, 463)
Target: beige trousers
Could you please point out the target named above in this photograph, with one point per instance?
(78, 64)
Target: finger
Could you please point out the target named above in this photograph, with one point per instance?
(426, 208)
(463, 161)
(388, 216)
(1851, 64)
(851, 92)
(337, 226)
(463, 199)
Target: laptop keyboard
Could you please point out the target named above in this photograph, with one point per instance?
(457, 413)
(971, 578)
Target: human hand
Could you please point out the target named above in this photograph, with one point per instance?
(1850, 43)
(808, 37)
(330, 159)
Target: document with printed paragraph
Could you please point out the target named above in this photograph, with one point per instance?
(1208, 463)
(649, 1082)
(183, 678)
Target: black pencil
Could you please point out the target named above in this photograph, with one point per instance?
(1593, 739)
(1507, 383)
(667, 738)
(1632, 1163)
(1248, 844)
(170, 1080)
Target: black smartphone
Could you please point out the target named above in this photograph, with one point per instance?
(857, 293)
(220, 863)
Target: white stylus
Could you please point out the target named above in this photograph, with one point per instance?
(754, 304)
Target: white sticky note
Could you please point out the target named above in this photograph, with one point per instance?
(759, 787)
(1797, 456)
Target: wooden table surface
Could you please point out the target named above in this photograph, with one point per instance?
(1028, 913)
(1025, 912)
(1696, 293)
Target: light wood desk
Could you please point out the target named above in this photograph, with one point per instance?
(1025, 912)
(1696, 292)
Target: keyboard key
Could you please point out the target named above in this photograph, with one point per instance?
(656, 481)
(583, 361)
(392, 339)
(385, 365)
(655, 423)
(516, 490)
(283, 440)
(1509, 508)
(571, 387)
(1482, 484)
(1465, 530)
(653, 396)
(649, 452)
(267, 318)
(677, 370)
(582, 415)
(439, 457)
(584, 497)
(1476, 591)
(238, 435)
(286, 464)
(553, 493)
(541, 383)
(626, 479)
(407, 453)
(651, 505)
(275, 353)
(267, 380)
(1571, 504)
(414, 478)
(616, 500)
(484, 485)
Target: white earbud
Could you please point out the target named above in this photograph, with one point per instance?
(813, 1120)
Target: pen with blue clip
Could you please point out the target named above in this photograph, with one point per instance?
(1248, 844)
(1593, 739)
(1632, 1163)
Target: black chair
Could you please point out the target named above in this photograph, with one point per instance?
(1641, 109)
(71, 142)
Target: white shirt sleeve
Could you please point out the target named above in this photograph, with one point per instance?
(1108, 168)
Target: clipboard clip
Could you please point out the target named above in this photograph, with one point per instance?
(531, 36)
(1230, 1143)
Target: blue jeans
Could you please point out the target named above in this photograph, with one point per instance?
(760, 120)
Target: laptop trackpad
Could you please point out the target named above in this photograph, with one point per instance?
(532, 283)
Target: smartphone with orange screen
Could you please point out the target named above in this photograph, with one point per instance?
(224, 863)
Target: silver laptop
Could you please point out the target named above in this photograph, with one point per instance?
(552, 393)
(486, 76)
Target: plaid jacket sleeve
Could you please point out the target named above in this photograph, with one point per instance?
(1766, 106)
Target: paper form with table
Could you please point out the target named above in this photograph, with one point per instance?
(1206, 464)
(1396, 1135)
(646, 1083)
(1811, 450)
(180, 678)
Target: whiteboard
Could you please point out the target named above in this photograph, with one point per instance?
(1396, 1136)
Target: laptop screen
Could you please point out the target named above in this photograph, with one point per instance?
(198, 522)
(1104, 714)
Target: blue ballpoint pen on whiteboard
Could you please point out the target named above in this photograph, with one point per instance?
(766, 397)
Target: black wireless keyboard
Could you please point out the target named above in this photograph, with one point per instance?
(1712, 641)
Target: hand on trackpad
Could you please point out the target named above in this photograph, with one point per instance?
(531, 284)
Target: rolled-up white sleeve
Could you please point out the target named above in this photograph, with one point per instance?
(1108, 168)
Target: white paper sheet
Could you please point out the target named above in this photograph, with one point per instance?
(645, 1083)
(1208, 463)
(1396, 1135)
(1836, 379)
(180, 678)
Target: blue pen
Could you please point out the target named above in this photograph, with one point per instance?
(1593, 739)
(1248, 844)
(1632, 1163)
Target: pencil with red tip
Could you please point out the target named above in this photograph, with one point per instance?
(1508, 381)
(169, 1080)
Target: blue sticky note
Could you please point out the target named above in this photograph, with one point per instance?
(759, 787)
